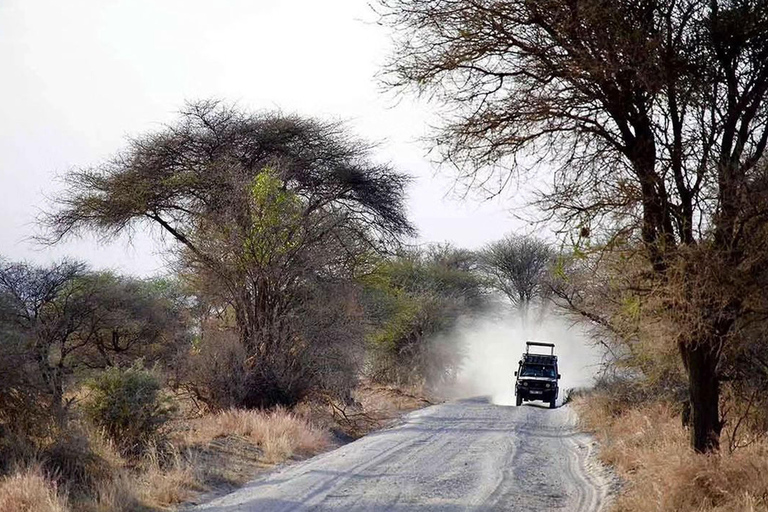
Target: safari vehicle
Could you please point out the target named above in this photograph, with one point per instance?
(537, 375)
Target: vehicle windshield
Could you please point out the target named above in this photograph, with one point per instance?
(537, 370)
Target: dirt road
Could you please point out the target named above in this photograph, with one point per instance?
(465, 455)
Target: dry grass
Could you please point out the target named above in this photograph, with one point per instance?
(169, 479)
(650, 450)
(390, 401)
(147, 489)
(279, 433)
(119, 494)
(215, 451)
(28, 490)
(100, 479)
(377, 406)
(162, 479)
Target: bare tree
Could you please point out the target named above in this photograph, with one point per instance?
(517, 266)
(652, 114)
(262, 208)
(44, 305)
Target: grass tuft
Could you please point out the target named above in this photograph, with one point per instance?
(29, 490)
(279, 433)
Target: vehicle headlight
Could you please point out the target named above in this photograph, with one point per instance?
(548, 385)
(524, 383)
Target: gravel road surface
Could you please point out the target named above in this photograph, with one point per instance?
(464, 455)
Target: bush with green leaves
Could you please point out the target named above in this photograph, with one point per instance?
(414, 302)
(128, 405)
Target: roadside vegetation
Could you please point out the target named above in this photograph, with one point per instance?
(649, 449)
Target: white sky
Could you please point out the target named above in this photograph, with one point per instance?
(78, 76)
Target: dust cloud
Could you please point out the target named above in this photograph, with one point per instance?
(492, 345)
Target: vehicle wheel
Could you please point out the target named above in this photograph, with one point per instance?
(518, 400)
(552, 403)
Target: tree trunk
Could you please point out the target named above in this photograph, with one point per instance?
(53, 376)
(57, 397)
(704, 389)
(523, 309)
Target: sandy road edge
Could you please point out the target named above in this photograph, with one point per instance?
(601, 478)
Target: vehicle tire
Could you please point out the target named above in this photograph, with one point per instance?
(518, 400)
(553, 403)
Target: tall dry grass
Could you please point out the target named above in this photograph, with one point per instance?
(29, 490)
(169, 478)
(217, 449)
(279, 433)
(99, 479)
(650, 450)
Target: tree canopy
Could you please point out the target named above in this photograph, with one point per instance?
(268, 212)
(518, 266)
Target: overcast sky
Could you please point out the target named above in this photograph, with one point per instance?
(78, 76)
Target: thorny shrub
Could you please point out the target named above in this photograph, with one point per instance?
(128, 405)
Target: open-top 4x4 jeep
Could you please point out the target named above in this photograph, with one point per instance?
(537, 376)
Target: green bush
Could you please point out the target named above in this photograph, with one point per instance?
(414, 302)
(127, 404)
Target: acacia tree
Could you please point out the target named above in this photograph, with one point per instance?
(262, 207)
(517, 266)
(652, 114)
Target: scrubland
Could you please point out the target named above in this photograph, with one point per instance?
(201, 455)
(651, 452)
